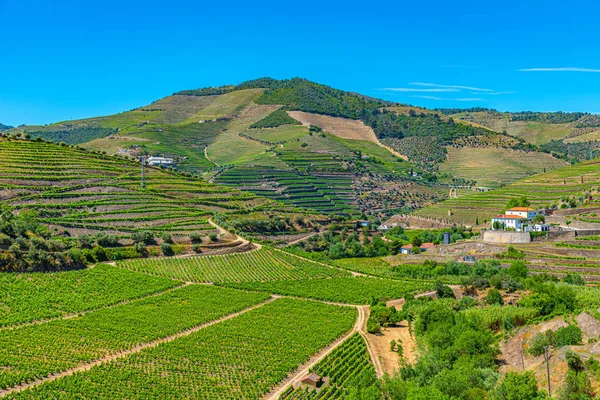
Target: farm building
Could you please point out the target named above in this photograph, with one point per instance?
(519, 219)
(383, 227)
(408, 249)
(312, 379)
(158, 161)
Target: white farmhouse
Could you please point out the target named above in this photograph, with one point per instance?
(158, 161)
(519, 219)
(507, 221)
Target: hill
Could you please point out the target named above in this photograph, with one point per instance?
(568, 135)
(316, 147)
(75, 193)
(5, 127)
(562, 185)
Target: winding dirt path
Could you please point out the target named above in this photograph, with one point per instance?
(302, 370)
(207, 157)
(223, 231)
(133, 350)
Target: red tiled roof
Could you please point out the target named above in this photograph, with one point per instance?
(408, 246)
(427, 246)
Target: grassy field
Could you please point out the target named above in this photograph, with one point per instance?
(494, 167)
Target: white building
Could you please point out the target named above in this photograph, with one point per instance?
(158, 161)
(507, 221)
(520, 219)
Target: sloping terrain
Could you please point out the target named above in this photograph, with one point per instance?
(572, 182)
(352, 153)
(81, 192)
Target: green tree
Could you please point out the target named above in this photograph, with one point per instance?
(520, 202)
(518, 270)
(494, 298)
(516, 386)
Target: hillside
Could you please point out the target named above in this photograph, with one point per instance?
(75, 192)
(5, 127)
(569, 135)
(315, 147)
(560, 185)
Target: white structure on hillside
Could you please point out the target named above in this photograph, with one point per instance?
(158, 161)
(519, 219)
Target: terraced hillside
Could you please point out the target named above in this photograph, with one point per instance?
(344, 153)
(80, 192)
(574, 182)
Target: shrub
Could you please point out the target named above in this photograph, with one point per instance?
(166, 237)
(574, 279)
(196, 248)
(494, 297)
(213, 237)
(167, 249)
(195, 237)
(373, 326)
(143, 236)
(567, 336)
(99, 254)
(107, 239)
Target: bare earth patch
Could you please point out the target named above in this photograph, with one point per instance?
(340, 127)
(380, 343)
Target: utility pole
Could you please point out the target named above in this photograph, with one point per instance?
(547, 357)
(522, 358)
(143, 178)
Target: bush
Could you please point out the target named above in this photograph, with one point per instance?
(574, 279)
(107, 239)
(213, 237)
(567, 336)
(196, 248)
(373, 326)
(517, 387)
(166, 237)
(195, 237)
(143, 236)
(494, 297)
(99, 254)
(167, 249)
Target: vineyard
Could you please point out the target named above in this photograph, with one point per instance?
(36, 296)
(84, 193)
(243, 357)
(259, 265)
(31, 350)
(346, 366)
(350, 290)
(550, 187)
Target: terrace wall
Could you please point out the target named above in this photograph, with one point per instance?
(506, 237)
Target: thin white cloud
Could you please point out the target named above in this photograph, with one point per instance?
(493, 93)
(450, 99)
(417, 90)
(459, 66)
(429, 97)
(434, 85)
(562, 69)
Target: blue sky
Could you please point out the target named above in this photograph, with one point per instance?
(74, 59)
